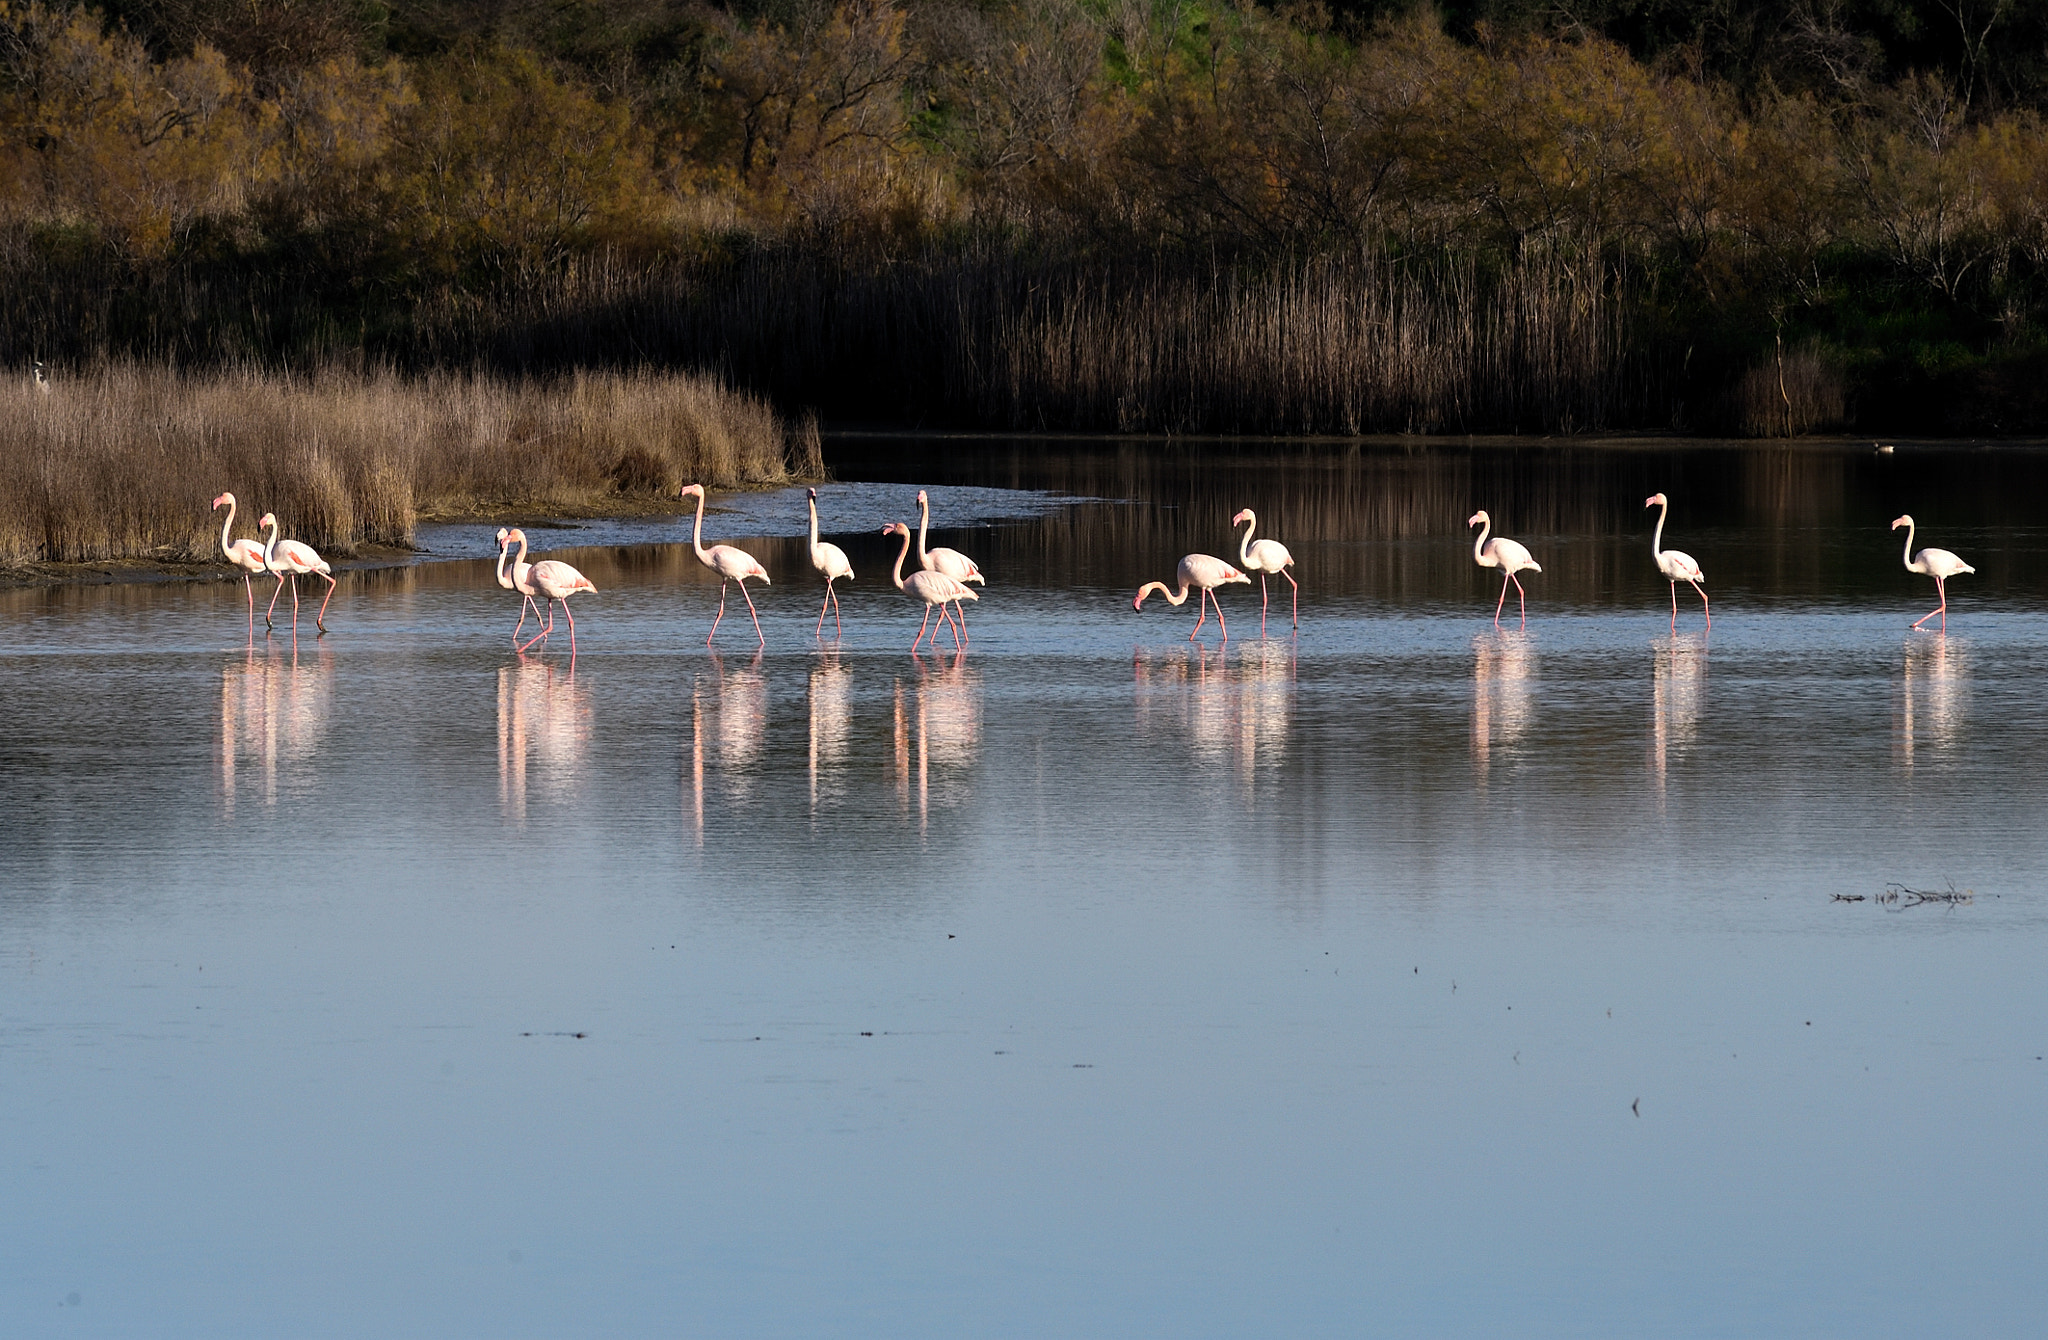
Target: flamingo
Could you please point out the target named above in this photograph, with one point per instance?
(732, 565)
(1510, 557)
(946, 562)
(830, 561)
(1939, 564)
(1676, 566)
(1205, 574)
(289, 558)
(516, 580)
(244, 554)
(1264, 557)
(553, 579)
(935, 589)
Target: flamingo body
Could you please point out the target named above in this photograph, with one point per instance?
(288, 559)
(1507, 555)
(731, 565)
(935, 589)
(1262, 557)
(830, 561)
(1677, 567)
(1939, 564)
(1200, 572)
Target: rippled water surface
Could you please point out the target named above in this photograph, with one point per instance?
(1402, 977)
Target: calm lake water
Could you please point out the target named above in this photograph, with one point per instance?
(1401, 978)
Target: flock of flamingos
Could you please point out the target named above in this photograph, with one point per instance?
(946, 576)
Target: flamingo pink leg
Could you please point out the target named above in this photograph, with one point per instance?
(1262, 604)
(827, 604)
(250, 591)
(1297, 595)
(570, 615)
(920, 629)
(957, 644)
(1674, 607)
(1941, 590)
(960, 612)
(1219, 616)
(721, 613)
(1703, 603)
(1202, 614)
(320, 619)
(270, 612)
(1521, 598)
(542, 634)
(1501, 604)
(757, 618)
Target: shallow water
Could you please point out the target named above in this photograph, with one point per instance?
(1398, 978)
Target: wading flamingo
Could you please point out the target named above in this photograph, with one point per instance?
(289, 558)
(1510, 557)
(1264, 557)
(244, 554)
(731, 565)
(1939, 564)
(1203, 573)
(1675, 566)
(830, 561)
(553, 579)
(935, 589)
(946, 562)
(516, 580)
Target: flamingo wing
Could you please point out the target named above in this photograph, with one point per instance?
(830, 560)
(1510, 554)
(952, 563)
(1679, 567)
(1941, 563)
(735, 564)
(1269, 556)
(1208, 572)
(559, 579)
(300, 556)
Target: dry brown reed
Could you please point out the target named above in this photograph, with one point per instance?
(1364, 343)
(121, 462)
(1784, 396)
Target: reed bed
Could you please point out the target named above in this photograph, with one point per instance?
(121, 462)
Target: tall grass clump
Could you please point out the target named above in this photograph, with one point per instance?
(121, 461)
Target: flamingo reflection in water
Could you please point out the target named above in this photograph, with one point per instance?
(938, 724)
(1241, 713)
(274, 711)
(831, 715)
(1932, 696)
(1679, 684)
(728, 716)
(543, 717)
(1501, 667)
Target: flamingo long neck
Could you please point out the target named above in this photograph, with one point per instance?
(1479, 545)
(270, 548)
(1909, 546)
(1171, 597)
(1244, 546)
(504, 552)
(520, 561)
(814, 528)
(227, 529)
(924, 516)
(696, 536)
(1657, 536)
(901, 554)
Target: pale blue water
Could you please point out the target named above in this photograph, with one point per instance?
(1402, 979)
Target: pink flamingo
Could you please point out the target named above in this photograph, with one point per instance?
(516, 580)
(935, 589)
(732, 565)
(946, 562)
(1511, 558)
(1264, 557)
(1674, 565)
(830, 561)
(289, 558)
(1939, 564)
(244, 554)
(553, 579)
(1205, 574)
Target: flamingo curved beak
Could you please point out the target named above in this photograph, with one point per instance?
(1475, 518)
(1239, 518)
(1902, 521)
(1654, 499)
(221, 499)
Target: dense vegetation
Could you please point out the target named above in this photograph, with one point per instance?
(1090, 213)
